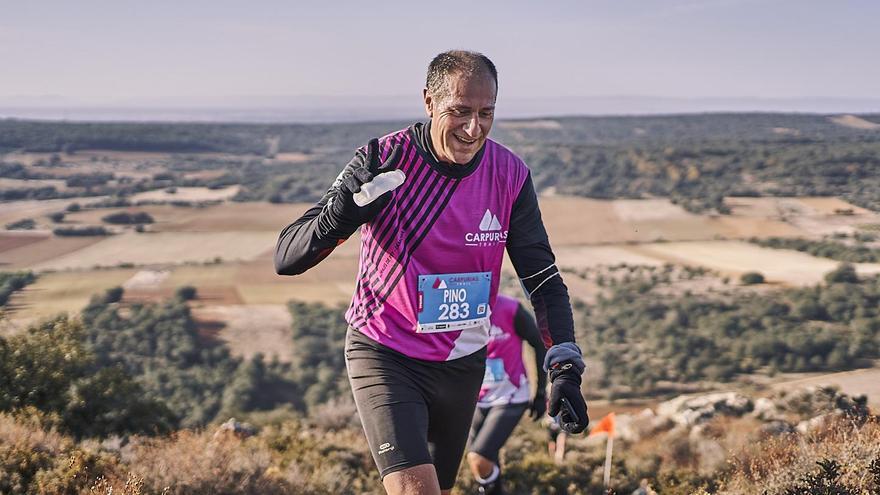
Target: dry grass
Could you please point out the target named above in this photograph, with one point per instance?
(286, 459)
(774, 465)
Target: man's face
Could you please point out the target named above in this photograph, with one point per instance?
(460, 122)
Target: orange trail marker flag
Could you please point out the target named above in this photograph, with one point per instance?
(606, 425)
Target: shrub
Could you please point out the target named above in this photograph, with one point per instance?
(127, 218)
(186, 293)
(80, 231)
(23, 224)
(845, 273)
(751, 278)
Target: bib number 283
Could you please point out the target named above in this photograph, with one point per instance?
(453, 301)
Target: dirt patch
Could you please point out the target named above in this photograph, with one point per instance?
(292, 157)
(50, 248)
(233, 216)
(854, 122)
(249, 330)
(13, 240)
(146, 279)
(188, 194)
(530, 124)
(856, 382)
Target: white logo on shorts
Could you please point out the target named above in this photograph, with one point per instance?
(385, 447)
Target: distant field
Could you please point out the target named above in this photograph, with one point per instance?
(63, 292)
(164, 248)
(30, 255)
(579, 221)
(251, 329)
(735, 258)
(187, 194)
(17, 210)
(855, 382)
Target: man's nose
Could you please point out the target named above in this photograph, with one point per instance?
(472, 126)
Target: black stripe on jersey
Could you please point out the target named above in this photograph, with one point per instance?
(400, 267)
(383, 224)
(450, 191)
(384, 239)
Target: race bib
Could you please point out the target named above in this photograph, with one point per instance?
(453, 301)
(494, 371)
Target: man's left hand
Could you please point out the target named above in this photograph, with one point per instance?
(566, 399)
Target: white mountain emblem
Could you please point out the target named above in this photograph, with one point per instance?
(489, 222)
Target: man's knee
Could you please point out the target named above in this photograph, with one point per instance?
(421, 479)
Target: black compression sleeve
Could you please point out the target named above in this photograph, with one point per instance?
(525, 327)
(529, 249)
(313, 236)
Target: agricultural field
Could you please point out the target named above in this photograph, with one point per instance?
(225, 251)
(637, 192)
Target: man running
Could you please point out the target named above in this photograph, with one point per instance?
(430, 265)
(504, 396)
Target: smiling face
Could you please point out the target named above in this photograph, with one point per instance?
(461, 119)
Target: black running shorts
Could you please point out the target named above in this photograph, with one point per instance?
(413, 412)
(492, 427)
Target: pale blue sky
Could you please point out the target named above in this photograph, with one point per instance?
(119, 52)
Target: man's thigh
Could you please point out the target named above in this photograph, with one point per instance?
(392, 409)
(451, 415)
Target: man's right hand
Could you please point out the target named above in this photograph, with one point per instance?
(346, 215)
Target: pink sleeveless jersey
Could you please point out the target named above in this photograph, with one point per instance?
(430, 262)
(505, 381)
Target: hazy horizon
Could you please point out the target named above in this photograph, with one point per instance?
(143, 61)
(355, 109)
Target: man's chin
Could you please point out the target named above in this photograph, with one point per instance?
(463, 159)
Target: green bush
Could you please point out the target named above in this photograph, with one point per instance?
(751, 278)
(845, 273)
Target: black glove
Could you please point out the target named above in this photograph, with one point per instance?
(566, 399)
(342, 216)
(538, 406)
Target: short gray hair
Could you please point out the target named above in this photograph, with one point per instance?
(460, 62)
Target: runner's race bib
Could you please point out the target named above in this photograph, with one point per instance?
(453, 301)
(494, 371)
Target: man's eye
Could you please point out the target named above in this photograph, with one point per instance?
(487, 115)
(458, 112)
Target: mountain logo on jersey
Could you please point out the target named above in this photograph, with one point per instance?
(489, 234)
(489, 222)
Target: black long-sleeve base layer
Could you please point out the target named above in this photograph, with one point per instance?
(313, 236)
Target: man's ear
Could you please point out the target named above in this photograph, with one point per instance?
(429, 103)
